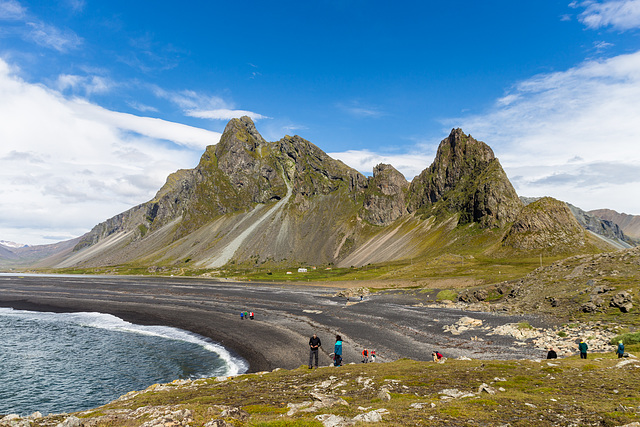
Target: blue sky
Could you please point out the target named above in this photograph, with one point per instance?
(100, 101)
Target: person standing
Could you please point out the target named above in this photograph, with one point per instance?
(314, 346)
(337, 352)
(365, 356)
(583, 347)
(620, 351)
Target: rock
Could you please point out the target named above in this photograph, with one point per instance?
(384, 395)
(530, 405)
(369, 417)
(70, 422)
(218, 423)
(622, 300)
(330, 420)
(453, 393)
(588, 307)
(236, 413)
(486, 388)
(419, 405)
(296, 407)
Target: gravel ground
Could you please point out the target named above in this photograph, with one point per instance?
(394, 323)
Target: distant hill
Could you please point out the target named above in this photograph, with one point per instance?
(630, 224)
(254, 203)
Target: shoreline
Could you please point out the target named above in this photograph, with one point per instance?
(395, 324)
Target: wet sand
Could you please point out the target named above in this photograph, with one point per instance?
(393, 323)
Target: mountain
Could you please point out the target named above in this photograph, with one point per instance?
(31, 256)
(630, 224)
(465, 177)
(8, 244)
(252, 202)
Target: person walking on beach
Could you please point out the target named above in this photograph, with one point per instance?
(620, 351)
(337, 352)
(583, 347)
(314, 346)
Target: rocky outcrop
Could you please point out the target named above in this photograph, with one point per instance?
(546, 224)
(384, 199)
(602, 227)
(630, 224)
(465, 178)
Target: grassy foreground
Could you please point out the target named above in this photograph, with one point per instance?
(562, 392)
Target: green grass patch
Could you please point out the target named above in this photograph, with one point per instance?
(447, 294)
(628, 339)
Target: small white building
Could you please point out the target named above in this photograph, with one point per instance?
(302, 270)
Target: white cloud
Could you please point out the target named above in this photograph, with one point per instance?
(66, 164)
(223, 114)
(620, 14)
(572, 135)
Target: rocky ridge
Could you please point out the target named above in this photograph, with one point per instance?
(254, 202)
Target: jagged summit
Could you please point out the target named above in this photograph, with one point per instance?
(465, 177)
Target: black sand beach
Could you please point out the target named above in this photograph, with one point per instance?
(392, 323)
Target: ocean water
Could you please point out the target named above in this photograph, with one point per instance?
(56, 363)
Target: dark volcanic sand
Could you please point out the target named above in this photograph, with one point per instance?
(286, 316)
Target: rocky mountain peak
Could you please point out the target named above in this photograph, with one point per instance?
(466, 177)
(385, 197)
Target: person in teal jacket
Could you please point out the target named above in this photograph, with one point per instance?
(620, 350)
(583, 347)
(337, 352)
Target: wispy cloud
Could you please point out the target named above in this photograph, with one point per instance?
(11, 10)
(223, 114)
(38, 31)
(203, 106)
(357, 109)
(619, 14)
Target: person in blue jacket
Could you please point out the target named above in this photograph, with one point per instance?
(620, 350)
(337, 352)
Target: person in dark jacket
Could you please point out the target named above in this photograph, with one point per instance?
(620, 351)
(552, 354)
(337, 352)
(583, 347)
(314, 347)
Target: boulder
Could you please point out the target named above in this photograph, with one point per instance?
(622, 300)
